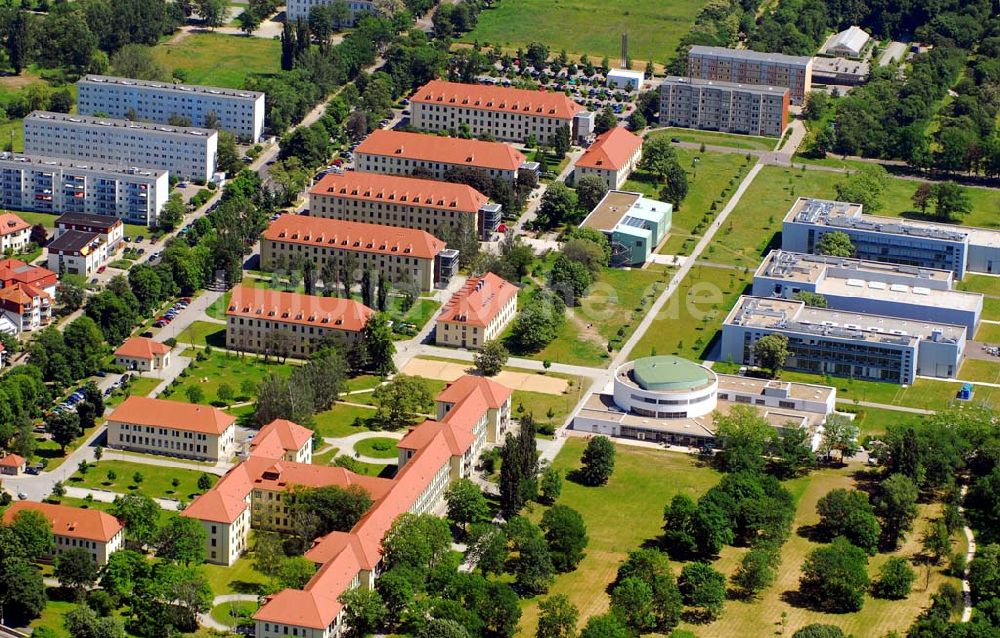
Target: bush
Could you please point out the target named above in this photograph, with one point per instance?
(895, 579)
(170, 341)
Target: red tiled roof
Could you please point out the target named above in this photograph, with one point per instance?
(611, 150)
(172, 414)
(446, 150)
(290, 307)
(11, 223)
(479, 300)
(16, 271)
(458, 439)
(11, 460)
(278, 437)
(356, 236)
(395, 189)
(495, 98)
(74, 522)
(141, 348)
(496, 394)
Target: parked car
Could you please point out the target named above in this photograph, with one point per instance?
(102, 269)
(101, 373)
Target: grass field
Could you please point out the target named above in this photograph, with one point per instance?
(714, 138)
(326, 457)
(229, 613)
(381, 447)
(593, 27)
(155, 482)
(875, 421)
(542, 405)
(339, 420)
(238, 578)
(980, 370)
(220, 368)
(220, 60)
(689, 321)
(201, 333)
(985, 284)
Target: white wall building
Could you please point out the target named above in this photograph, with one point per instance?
(61, 185)
(850, 43)
(189, 153)
(238, 111)
(77, 252)
(300, 8)
(15, 233)
(625, 79)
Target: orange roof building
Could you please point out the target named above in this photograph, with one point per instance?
(15, 271)
(505, 113)
(392, 200)
(142, 354)
(283, 439)
(403, 255)
(172, 428)
(477, 313)
(12, 464)
(15, 233)
(289, 324)
(402, 153)
(467, 394)
(23, 307)
(97, 532)
(612, 157)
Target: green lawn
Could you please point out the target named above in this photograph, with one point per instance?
(980, 370)
(986, 284)
(991, 309)
(202, 333)
(714, 138)
(875, 421)
(339, 420)
(382, 447)
(621, 516)
(541, 405)
(217, 310)
(593, 27)
(363, 382)
(693, 315)
(156, 482)
(219, 368)
(326, 458)
(220, 60)
(240, 578)
(229, 613)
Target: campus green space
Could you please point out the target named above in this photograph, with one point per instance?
(693, 315)
(381, 447)
(238, 578)
(222, 367)
(156, 481)
(980, 370)
(340, 420)
(219, 59)
(988, 333)
(201, 334)
(229, 614)
(654, 27)
(714, 138)
(986, 284)
(326, 457)
(363, 382)
(875, 421)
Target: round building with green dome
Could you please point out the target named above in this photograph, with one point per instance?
(665, 387)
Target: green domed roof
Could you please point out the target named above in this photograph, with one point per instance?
(669, 373)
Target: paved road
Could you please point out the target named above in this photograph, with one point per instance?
(969, 555)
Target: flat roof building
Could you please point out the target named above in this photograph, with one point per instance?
(238, 111)
(626, 79)
(77, 252)
(959, 249)
(172, 428)
(872, 287)
(187, 152)
(744, 66)
(729, 107)
(612, 157)
(60, 185)
(634, 224)
(391, 200)
(406, 256)
(505, 113)
(845, 344)
(403, 153)
(110, 228)
(97, 532)
(477, 313)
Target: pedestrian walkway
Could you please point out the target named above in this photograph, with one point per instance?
(107, 496)
(346, 445)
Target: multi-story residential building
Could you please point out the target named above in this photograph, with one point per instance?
(15, 271)
(960, 249)
(235, 110)
(845, 344)
(61, 185)
(505, 113)
(404, 153)
(296, 9)
(77, 252)
(477, 313)
(143, 355)
(612, 157)
(634, 225)
(23, 308)
(871, 287)
(730, 107)
(406, 256)
(172, 428)
(110, 229)
(289, 324)
(187, 152)
(392, 200)
(285, 440)
(94, 531)
(15, 233)
(744, 66)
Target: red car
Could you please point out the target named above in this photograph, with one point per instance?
(102, 269)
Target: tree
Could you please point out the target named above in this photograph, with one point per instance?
(416, 542)
(76, 570)
(550, 486)
(491, 358)
(791, 451)
(401, 401)
(936, 540)
(658, 156)
(22, 589)
(557, 618)
(172, 213)
(652, 567)
(866, 186)
(84, 622)
(140, 515)
(598, 461)
(604, 626)
(356, 125)
(518, 468)
(249, 21)
(835, 577)
(182, 540)
(836, 244)
(755, 573)
(213, 12)
(896, 506)
(320, 510)
(537, 324)
(363, 611)
(984, 573)
(770, 352)
(571, 278)
(137, 61)
(895, 579)
(204, 482)
(605, 121)
(590, 190)
(817, 630)
(923, 196)
(379, 346)
(227, 155)
(848, 513)
(488, 548)
(632, 604)
(225, 393)
(951, 201)
(637, 121)
(443, 628)
(194, 394)
(533, 570)
(70, 296)
(559, 206)
(20, 43)
(294, 572)
(566, 535)
(64, 428)
(676, 188)
(32, 532)
(812, 299)
(466, 503)
(840, 435)
(561, 142)
(703, 587)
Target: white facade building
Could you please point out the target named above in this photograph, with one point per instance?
(240, 112)
(61, 185)
(625, 79)
(300, 8)
(187, 152)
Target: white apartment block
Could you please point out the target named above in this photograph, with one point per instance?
(238, 111)
(296, 9)
(744, 66)
(188, 153)
(729, 107)
(61, 185)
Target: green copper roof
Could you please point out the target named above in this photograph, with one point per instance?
(669, 373)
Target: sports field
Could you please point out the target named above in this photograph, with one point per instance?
(594, 27)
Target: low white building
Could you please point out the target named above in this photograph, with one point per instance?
(98, 533)
(626, 79)
(15, 233)
(143, 355)
(850, 43)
